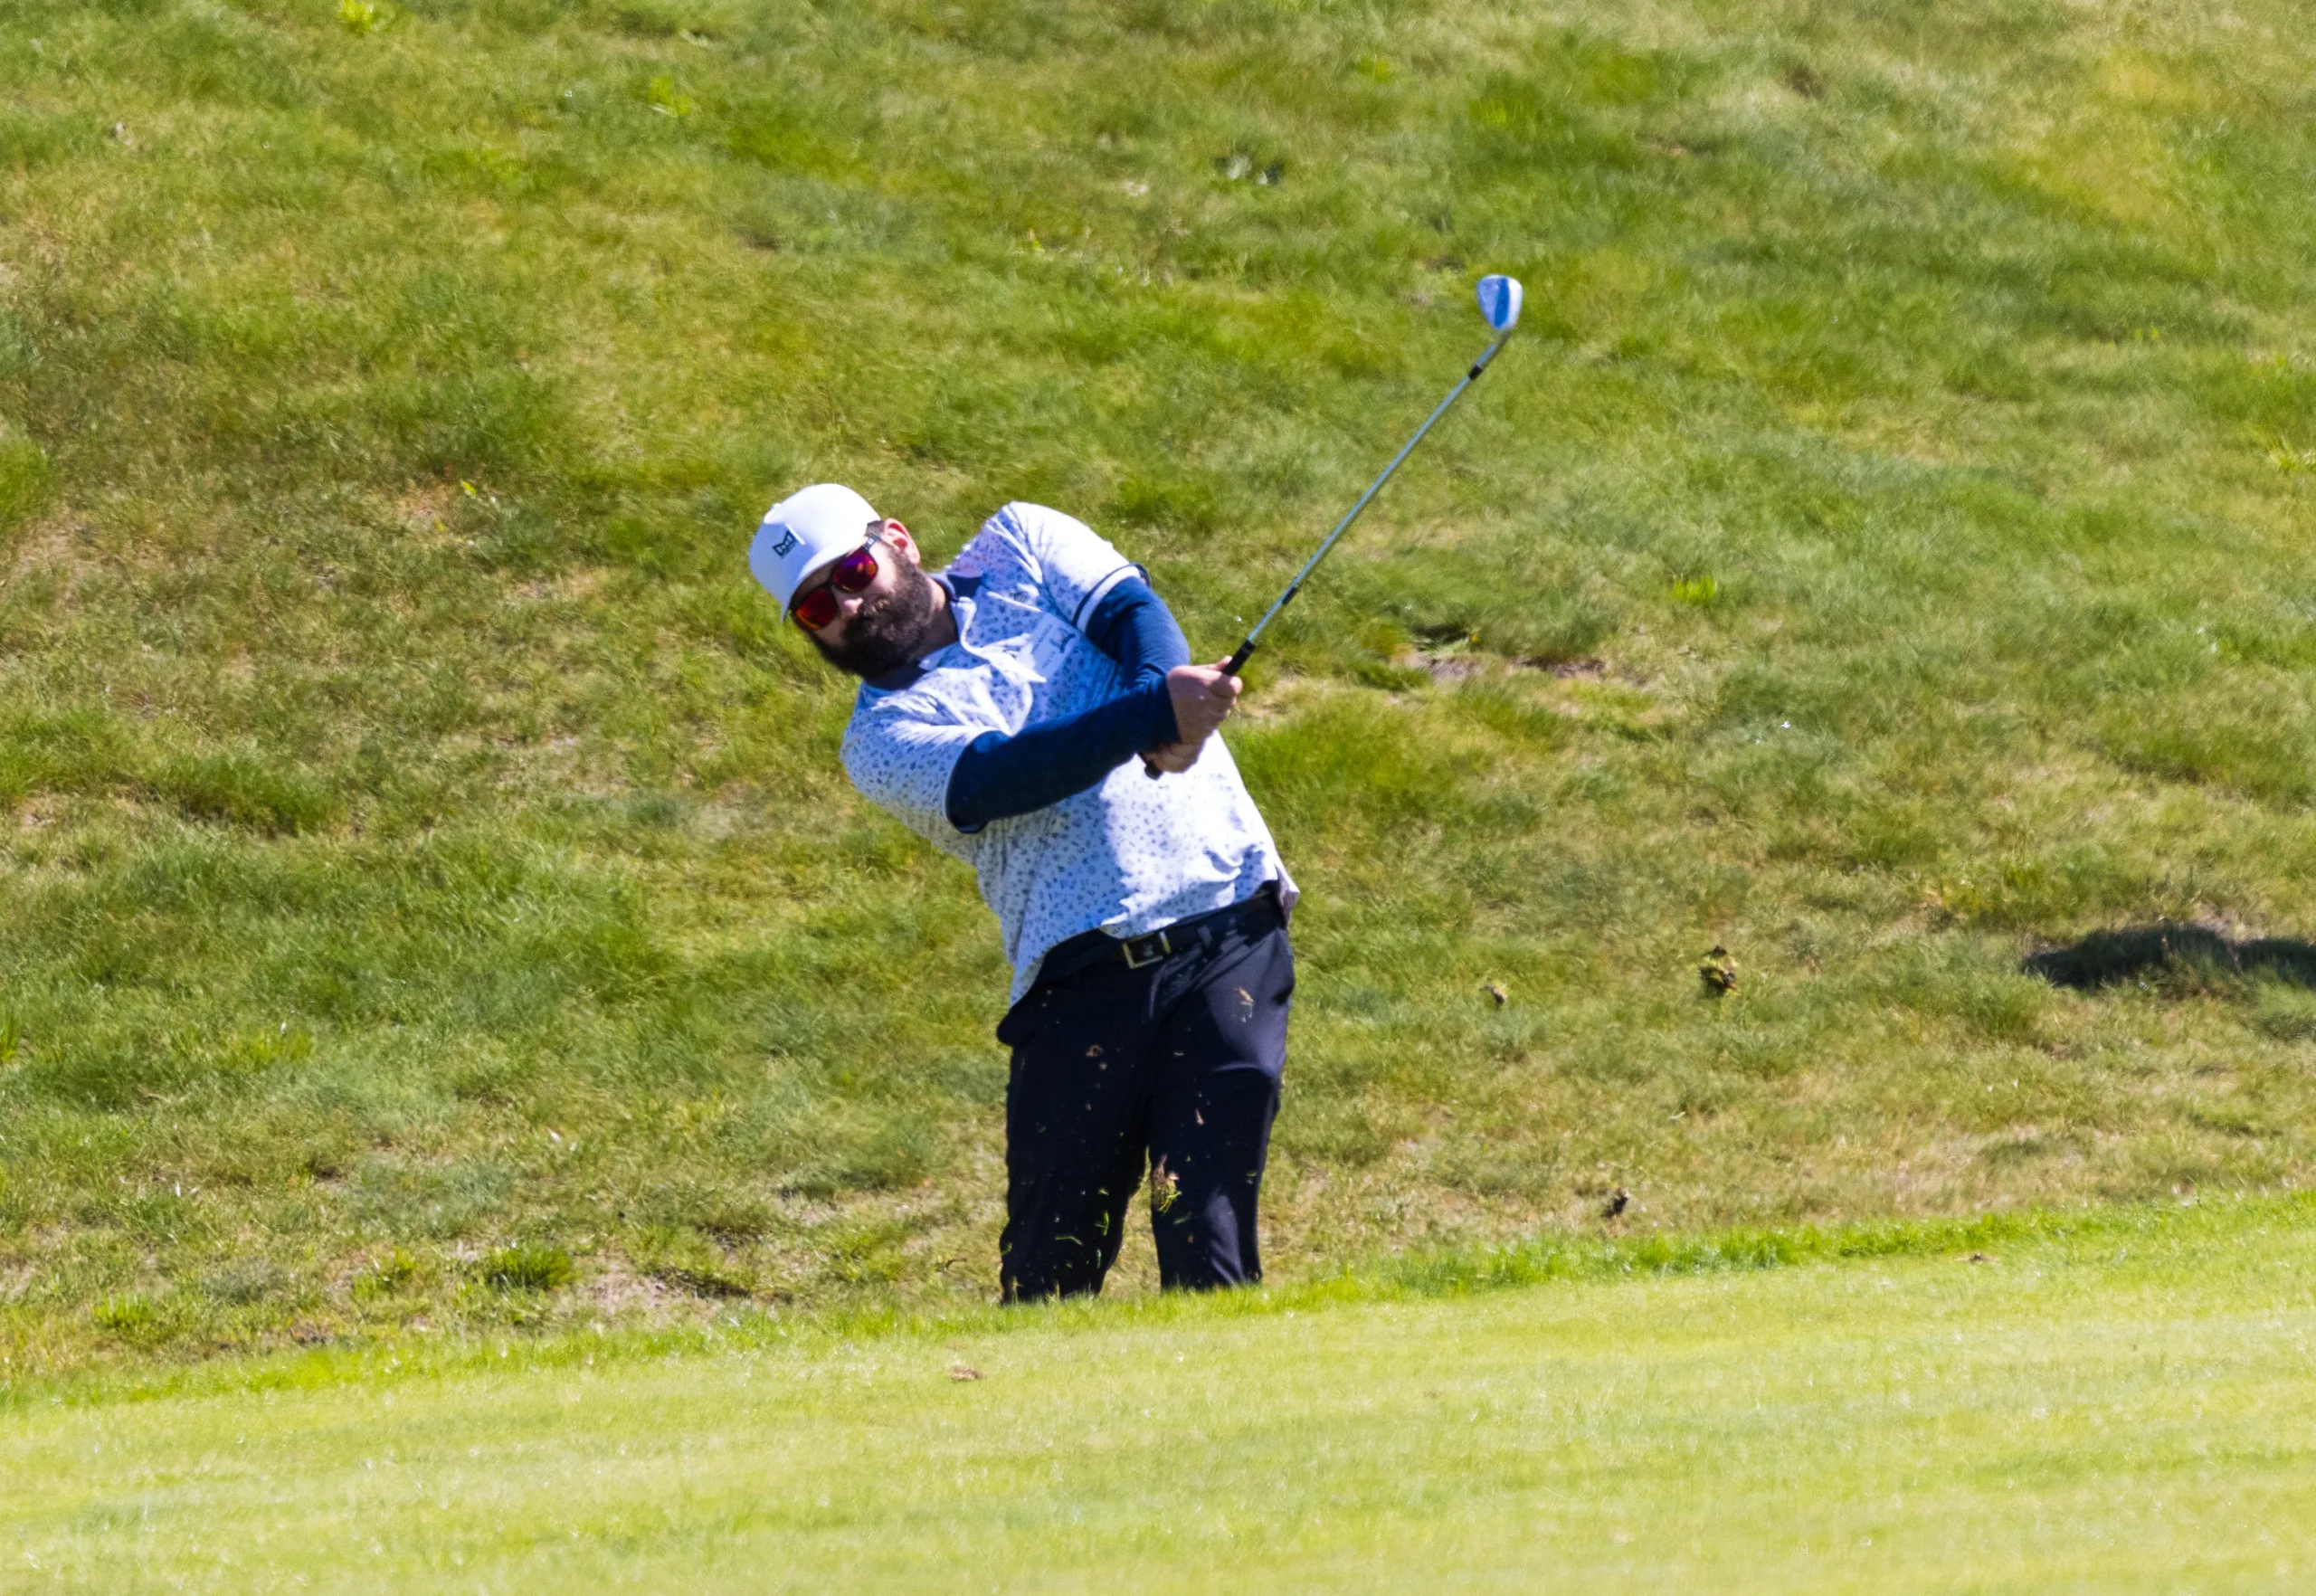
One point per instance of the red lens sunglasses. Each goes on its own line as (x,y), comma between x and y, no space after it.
(853,574)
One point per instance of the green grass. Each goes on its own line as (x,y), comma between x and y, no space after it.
(2113,1403)
(420,846)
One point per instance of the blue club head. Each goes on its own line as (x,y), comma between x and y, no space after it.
(1500,302)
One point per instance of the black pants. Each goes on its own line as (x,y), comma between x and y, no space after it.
(1177,1062)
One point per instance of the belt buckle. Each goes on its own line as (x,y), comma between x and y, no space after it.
(1147,949)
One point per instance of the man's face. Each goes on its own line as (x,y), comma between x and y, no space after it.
(882,627)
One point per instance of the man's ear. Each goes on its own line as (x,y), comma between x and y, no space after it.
(900,538)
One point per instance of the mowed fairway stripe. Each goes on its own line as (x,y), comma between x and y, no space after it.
(2095,1415)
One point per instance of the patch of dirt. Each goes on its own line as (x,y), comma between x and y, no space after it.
(422,500)
(1460,666)
(584,582)
(701,1282)
(51,543)
(614,1290)
(424,508)
(1449,667)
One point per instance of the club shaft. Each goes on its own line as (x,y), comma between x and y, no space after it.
(1237,660)
(1237,663)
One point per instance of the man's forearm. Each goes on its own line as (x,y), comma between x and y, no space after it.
(1132,626)
(999,777)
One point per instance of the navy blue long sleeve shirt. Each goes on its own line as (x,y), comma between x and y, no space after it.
(998,776)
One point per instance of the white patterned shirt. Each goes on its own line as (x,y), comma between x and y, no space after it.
(1125,855)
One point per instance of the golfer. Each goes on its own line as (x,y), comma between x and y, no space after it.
(1007,708)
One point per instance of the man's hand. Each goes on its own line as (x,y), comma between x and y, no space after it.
(1203,696)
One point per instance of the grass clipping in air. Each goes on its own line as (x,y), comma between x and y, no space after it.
(430,899)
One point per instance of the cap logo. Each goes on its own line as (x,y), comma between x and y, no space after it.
(787,541)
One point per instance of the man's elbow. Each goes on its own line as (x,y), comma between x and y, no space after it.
(968,804)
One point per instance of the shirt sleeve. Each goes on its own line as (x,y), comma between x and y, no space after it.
(1131,625)
(1076,567)
(998,776)
(902,761)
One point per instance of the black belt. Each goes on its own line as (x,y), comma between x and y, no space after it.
(1089,948)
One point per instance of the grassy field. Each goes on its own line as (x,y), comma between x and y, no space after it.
(428,900)
(2122,1404)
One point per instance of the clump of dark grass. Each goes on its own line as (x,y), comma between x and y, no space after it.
(528,1266)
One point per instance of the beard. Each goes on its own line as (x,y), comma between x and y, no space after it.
(890,632)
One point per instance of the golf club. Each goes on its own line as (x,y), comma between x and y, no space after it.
(1499,299)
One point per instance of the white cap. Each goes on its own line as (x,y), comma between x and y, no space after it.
(805,531)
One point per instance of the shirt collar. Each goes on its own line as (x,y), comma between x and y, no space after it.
(961,590)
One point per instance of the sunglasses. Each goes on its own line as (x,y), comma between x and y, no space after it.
(853,574)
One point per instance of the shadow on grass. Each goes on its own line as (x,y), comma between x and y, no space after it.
(2105,959)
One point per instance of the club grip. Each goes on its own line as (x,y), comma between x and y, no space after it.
(1230,666)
